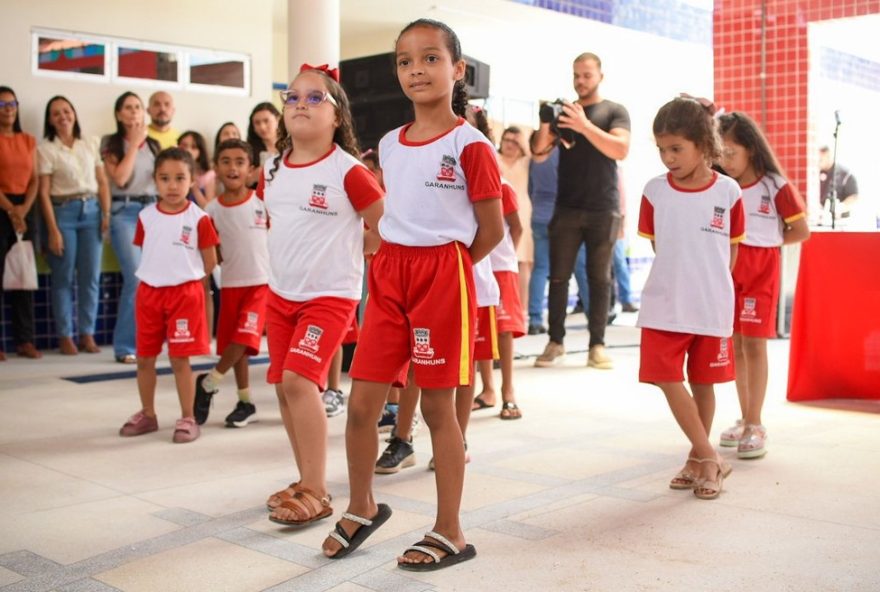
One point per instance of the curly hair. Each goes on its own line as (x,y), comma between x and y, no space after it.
(459,94)
(344,135)
(688,118)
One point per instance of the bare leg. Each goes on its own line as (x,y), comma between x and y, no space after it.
(755,350)
(525,276)
(505,347)
(488,380)
(186,386)
(438,409)
(687,414)
(146,382)
(361,447)
(231,355)
(287,418)
(335,371)
(241,371)
(309,435)
(742,373)
(394,395)
(406,409)
(464,400)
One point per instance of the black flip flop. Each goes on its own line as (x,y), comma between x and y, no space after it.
(454,555)
(510,408)
(480,404)
(367,527)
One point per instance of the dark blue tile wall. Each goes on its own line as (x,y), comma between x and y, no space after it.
(852,69)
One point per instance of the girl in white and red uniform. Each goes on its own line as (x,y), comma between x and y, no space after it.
(694,219)
(177,241)
(443,212)
(775,215)
(318,196)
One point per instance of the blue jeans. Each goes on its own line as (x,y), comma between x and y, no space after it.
(621,272)
(80,225)
(123,223)
(541,273)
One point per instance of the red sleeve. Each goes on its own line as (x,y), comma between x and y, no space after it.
(737,221)
(261,184)
(139,234)
(508,199)
(362,187)
(646,219)
(790,204)
(207,235)
(481,171)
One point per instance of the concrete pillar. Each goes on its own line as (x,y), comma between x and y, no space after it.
(312,34)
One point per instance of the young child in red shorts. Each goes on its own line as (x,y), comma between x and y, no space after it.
(178,240)
(775,215)
(694,219)
(442,212)
(240,218)
(318,196)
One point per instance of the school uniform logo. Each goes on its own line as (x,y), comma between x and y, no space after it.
(181,329)
(260,218)
(422,347)
(311,338)
(447,169)
(250,322)
(764,208)
(723,357)
(718,218)
(319,197)
(749,312)
(186,234)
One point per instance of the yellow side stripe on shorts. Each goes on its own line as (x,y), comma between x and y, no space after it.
(464,373)
(493,334)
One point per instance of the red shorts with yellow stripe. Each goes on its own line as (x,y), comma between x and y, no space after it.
(509,313)
(662,357)
(304,336)
(421,308)
(486,335)
(756,287)
(242,317)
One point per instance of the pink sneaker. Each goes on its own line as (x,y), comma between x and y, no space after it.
(186,430)
(139,424)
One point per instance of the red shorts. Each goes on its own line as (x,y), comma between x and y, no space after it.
(509,313)
(709,359)
(486,335)
(304,336)
(421,308)
(242,317)
(756,285)
(172,313)
(354,331)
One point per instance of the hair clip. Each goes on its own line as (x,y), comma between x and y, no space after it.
(705,103)
(325,68)
(366,153)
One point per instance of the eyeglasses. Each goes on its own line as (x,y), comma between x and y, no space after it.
(11,104)
(313,98)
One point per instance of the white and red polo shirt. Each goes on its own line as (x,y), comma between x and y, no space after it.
(171,244)
(770,202)
(690,288)
(243,228)
(431,185)
(316,236)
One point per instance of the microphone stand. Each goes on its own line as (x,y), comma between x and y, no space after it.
(832,185)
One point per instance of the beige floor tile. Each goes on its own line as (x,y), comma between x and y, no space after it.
(349,587)
(209,564)
(567,463)
(8,577)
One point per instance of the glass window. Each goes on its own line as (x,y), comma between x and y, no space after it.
(216,70)
(70,55)
(146,64)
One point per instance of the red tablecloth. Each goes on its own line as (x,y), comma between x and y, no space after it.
(835,325)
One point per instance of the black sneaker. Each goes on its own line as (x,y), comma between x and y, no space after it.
(243,414)
(537,329)
(202,405)
(388,419)
(399,454)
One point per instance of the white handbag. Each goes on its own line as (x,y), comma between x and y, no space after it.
(20,272)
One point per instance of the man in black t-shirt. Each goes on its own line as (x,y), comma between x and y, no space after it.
(587,204)
(844,183)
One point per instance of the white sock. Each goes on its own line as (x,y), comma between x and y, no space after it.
(244,395)
(212,380)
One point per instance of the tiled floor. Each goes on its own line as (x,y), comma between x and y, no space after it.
(573,497)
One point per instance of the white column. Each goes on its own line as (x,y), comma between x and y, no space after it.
(312,34)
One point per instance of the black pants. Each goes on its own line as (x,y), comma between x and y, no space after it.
(21,301)
(568,229)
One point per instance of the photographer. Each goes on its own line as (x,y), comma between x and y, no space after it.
(594,134)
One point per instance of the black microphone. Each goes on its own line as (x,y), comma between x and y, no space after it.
(837,117)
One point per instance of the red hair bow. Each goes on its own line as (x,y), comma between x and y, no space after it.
(325,68)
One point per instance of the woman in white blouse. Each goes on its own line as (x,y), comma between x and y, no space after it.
(75,200)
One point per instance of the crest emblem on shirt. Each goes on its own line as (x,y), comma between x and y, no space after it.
(748,310)
(447,169)
(260,218)
(718,218)
(422,346)
(181,328)
(186,234)
(764,208)
(311,338)
(319,197)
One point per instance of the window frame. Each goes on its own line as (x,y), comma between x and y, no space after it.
(37,33)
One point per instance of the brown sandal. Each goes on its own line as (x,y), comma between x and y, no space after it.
(710,489)
(302,506)
(279,497)
(685,479)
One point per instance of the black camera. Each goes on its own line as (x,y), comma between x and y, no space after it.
(549,113)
